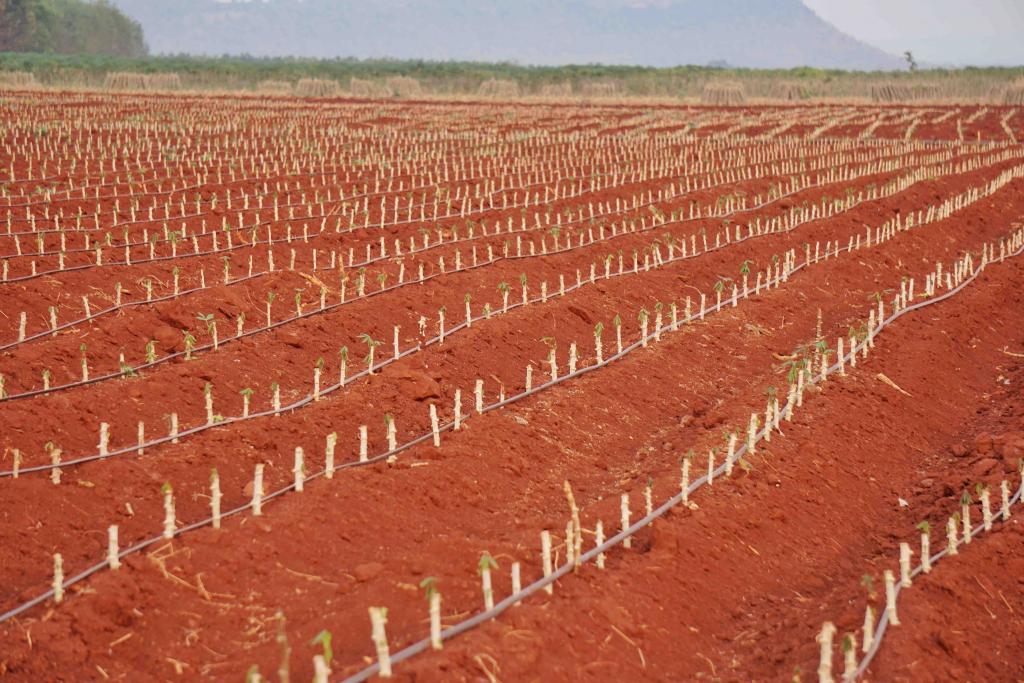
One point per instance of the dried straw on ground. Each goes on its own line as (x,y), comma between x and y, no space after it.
(723,94)
(316,87)
(129,80)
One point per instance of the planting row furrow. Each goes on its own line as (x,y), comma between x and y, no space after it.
(792,220)
(213,419)
(655,337)
(356,646)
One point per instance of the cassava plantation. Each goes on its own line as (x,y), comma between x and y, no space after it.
(335,385)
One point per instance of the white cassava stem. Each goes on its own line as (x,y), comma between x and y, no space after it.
(434,426)
(329,446)
(299,469)
(208,396)
(624,514)
(869,629)
(545,556)
(435,621)
(58,578)
(169,517)
(485,585)
(951,536)
(599,541)
(849,656)
(55,454)
(113,561)
(362,444)
(575,537)
(215,498)
(890,597)
(458,409)
(828,630)
(752,434)
(800,389)
(905,567)
(104,439)
(392,432)
(926,555)
(730,458)
(684,480)
(257,491)
(321,672)
(378,618)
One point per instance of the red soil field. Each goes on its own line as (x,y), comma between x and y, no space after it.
(269,365)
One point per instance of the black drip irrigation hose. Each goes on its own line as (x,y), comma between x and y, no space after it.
(309,398)
(537,585)
(540,584)
(205,347)
(883,622)
(194,254)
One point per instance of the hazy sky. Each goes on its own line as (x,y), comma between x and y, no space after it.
(936,31)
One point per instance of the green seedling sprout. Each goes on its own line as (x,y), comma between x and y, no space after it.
(869,584)
(324,640)
(429,586)
(190,343)
(371,344)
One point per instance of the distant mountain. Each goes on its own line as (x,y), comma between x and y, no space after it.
(750,33)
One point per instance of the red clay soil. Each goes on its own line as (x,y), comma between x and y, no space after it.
(110,483)
(738,588)
(963,621)
(734,590)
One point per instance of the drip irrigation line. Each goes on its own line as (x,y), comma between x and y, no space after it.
(883,622)
(482,617)
(484,210)
(540,584)
(205,347)
(310,398)
(714,308)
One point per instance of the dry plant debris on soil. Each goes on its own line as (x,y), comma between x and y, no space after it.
(287,387)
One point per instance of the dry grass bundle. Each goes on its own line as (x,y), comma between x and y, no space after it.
(788,91)
(903,92)
(361,87)
(556,90)
(17,79)
(495,87)
(128,80)
(316,87)
(274,87)
(404,86)
(1014,93)
(599,89)
(726,94)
